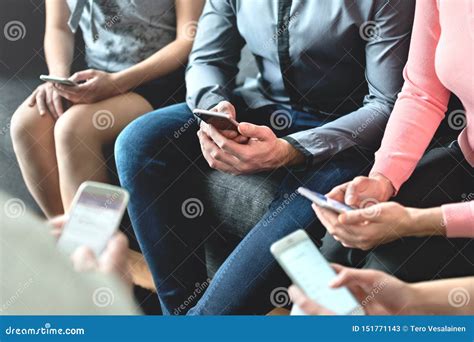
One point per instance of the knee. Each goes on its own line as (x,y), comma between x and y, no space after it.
(129,151)
(72,128)
(25,125)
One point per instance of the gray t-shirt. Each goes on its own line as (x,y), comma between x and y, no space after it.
(121,33)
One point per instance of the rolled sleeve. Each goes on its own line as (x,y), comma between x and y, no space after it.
(459,219)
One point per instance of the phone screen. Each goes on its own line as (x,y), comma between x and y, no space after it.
(323,201)
(312,273)
(93,219)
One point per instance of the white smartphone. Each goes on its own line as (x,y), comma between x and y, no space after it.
(324,202)
(59,80)
(95,215)
(221,121)
(303,262)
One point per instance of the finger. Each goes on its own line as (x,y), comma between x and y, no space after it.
(32,98)
(305,303)
(58,104)
(228,145)
(50,103)
(354,188)
(240,139)
(253,131)
(82,75)
(338,192)
(327,217)
(71,90)
(358,216)
(206,146)
(349,276)
(58,221)
(84,259)
(225,107)
(40,101)
(68,96)
(114,258)
(338,268)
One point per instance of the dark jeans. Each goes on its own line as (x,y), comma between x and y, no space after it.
(442,176)
(159,160)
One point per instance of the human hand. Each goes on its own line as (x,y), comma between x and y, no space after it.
(263,151)
(377,292)
(112,261)
(97,85)
(48,99)
(368,227)
(361,190)
(228,108)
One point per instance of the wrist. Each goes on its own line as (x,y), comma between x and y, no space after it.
(122,80)
(426,222)
(290,155)
(60,71)
(388,188)
(415,300)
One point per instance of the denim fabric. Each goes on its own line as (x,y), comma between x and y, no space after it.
(160,163)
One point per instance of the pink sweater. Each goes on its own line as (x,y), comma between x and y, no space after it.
(441,61)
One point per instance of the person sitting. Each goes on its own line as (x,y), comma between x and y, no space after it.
(136,52)
(426,231)
(325,69)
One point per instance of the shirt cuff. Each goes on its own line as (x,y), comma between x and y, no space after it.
(308,157)
(459,219)
(385,167)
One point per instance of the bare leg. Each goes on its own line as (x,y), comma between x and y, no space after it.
(81,135)
(33,142)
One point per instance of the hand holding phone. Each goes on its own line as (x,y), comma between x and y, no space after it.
(58,80)
(221,121)
(323,201)
(95,216)
(304,264)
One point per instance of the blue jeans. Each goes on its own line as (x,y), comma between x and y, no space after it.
(159,159)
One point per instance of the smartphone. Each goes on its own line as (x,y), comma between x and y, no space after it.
(221,121)
(304,264)
(59,80)
(95,215)
(323,201)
